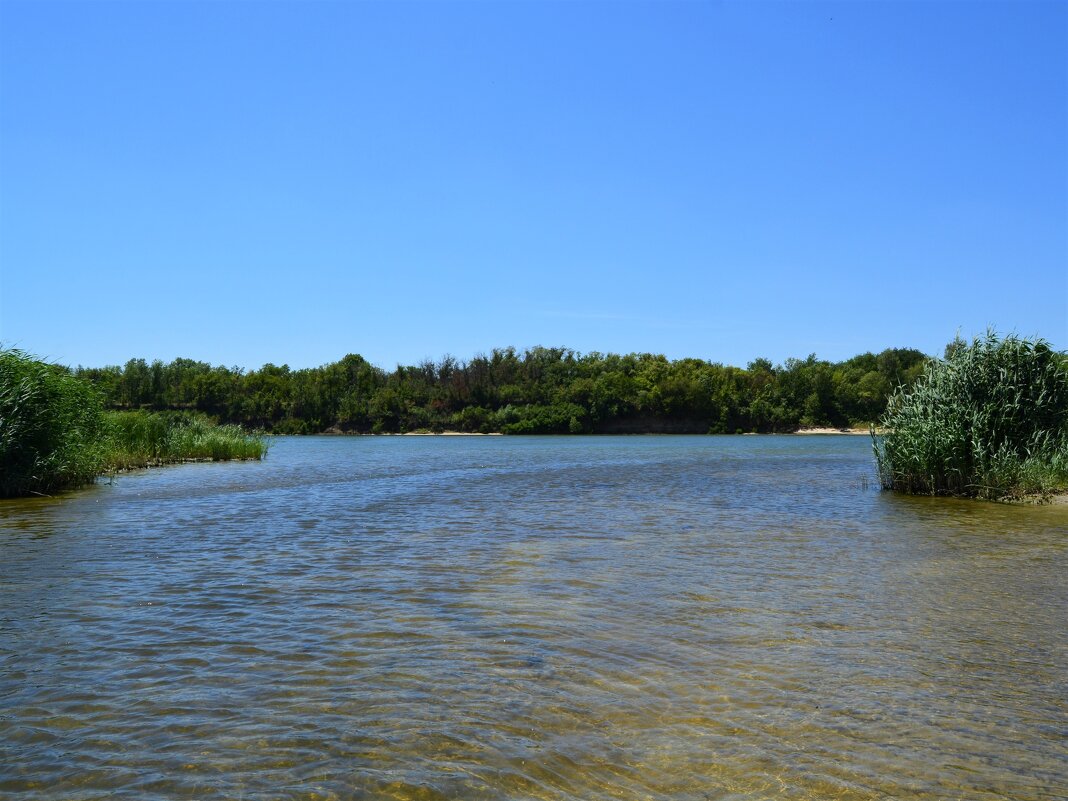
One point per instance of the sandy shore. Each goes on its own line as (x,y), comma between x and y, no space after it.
(335,432)
(443,434)
(855,431)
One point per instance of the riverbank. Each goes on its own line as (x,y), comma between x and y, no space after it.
(447,434)
(1059,498)
(826,430)
(336,432)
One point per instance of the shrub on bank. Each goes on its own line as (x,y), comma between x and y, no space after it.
(989,421)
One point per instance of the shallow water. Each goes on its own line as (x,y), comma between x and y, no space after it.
(531,618)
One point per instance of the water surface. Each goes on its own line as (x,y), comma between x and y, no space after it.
(531,618)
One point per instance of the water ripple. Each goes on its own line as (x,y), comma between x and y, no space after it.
(579,618)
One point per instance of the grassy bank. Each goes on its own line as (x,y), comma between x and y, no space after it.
(55,435)
(145,439)
(988,421)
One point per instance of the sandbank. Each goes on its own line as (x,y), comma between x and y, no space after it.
(819,430)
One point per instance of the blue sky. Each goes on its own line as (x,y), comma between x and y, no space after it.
(293,181)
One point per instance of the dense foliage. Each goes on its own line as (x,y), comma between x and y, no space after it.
(55,434)
(541,390)
(990,421)
(51,427)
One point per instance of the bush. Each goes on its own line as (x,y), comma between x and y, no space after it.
(539,419)
(474,419)
(51,427)
(988,421)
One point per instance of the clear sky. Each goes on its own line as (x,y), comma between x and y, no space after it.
(293,181)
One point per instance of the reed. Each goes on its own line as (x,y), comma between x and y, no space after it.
(988,421)
(144,439)
(54,434)
(52,429)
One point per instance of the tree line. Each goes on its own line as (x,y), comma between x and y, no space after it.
(534,391)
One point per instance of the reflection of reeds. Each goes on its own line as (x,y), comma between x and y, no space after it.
(990,421)
(54,434)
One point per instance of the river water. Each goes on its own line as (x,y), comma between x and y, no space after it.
(531,618)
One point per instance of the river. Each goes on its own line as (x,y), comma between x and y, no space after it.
(531,618)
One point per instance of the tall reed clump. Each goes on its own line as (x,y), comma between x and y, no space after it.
(988,421)
(55,435)
(52,429)
(141,439)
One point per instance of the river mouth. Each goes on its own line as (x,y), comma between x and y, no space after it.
(542,618)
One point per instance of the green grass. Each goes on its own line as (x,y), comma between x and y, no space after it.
(144,439)
(54,434)
(989,421)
